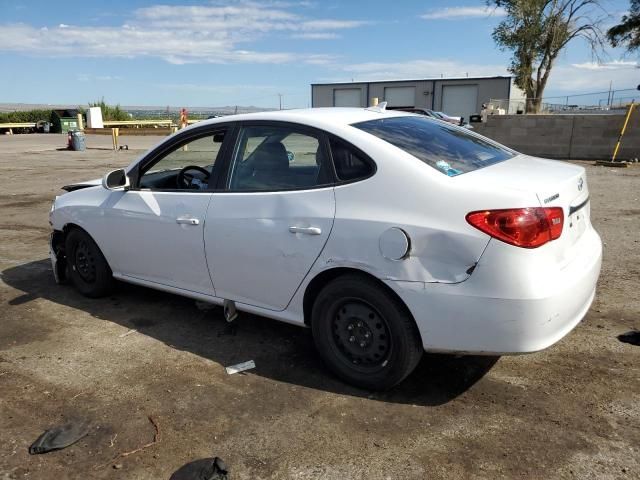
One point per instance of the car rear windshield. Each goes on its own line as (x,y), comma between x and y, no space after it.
(449,149)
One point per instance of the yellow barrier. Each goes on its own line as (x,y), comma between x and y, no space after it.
(114,123)
(17,125)
(624,129)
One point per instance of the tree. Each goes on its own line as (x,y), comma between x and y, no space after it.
(627,34)
(536,31)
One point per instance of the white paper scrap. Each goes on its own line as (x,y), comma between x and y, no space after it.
(241,367)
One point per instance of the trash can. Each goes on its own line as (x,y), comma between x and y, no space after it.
(46,127)
(78,141)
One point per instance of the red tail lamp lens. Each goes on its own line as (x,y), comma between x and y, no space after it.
(522,227)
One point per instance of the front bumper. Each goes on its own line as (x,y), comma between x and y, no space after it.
(520,313)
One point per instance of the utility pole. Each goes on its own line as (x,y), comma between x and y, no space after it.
(280,100)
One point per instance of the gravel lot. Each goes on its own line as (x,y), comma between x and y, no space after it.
(572,411)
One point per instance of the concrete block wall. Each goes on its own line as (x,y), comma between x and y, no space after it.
(578,137)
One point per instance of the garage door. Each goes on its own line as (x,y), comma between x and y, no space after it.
(400,96)
(347,97)
(460,100)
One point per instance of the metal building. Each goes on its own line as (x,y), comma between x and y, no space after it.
(454,96)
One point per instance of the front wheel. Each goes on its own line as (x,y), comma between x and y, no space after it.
(86,266)
(364,334)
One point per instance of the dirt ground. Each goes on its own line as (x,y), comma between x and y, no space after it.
(572,411)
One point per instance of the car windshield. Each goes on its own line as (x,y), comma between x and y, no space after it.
(449,149)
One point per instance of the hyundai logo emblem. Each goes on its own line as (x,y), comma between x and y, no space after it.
(580,184)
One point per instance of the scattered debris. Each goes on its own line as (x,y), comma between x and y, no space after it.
(241,367)
(156,439)
(204,469)
(59,437)
(133,330)
(632,338)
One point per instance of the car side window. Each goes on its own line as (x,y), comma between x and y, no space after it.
(350,165)
(188,166)
(271,158)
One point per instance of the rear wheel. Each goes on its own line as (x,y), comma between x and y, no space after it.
(364,334)
(86,266)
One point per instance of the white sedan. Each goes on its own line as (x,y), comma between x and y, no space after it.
(387,233)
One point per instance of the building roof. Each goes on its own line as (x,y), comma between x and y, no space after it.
(427,79)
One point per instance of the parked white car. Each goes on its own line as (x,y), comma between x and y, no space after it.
(387,233)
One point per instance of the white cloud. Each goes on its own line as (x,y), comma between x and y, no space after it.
(214,33)
(615,65)
(461,13)
(316,36)
(573,79)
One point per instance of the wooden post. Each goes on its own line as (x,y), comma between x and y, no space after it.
(624,128)
(80,122)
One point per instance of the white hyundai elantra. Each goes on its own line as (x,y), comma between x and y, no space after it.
(385,232)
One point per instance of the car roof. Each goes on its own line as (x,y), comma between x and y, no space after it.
(319,117)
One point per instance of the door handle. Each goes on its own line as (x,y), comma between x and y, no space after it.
(188,221)
(306,230)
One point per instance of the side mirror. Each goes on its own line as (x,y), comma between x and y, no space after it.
(115,180)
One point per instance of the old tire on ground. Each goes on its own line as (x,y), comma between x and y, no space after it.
(364,334)
(86,266)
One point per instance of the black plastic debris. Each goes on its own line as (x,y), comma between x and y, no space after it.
(632,338)
(59,437)
(203,469)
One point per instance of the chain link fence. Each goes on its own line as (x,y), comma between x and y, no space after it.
(610,101)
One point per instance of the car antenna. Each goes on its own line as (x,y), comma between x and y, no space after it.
(381,107)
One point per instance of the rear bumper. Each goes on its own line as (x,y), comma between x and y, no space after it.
(506,308)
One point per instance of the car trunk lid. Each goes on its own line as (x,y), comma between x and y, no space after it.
(554,183)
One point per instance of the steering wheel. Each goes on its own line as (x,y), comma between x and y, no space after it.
(183,180)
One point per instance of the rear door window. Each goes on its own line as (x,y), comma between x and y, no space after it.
(449,149)
(273,158)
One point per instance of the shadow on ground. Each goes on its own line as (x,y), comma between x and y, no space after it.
(282,352)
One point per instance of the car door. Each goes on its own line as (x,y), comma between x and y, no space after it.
(160,220)
(267,227)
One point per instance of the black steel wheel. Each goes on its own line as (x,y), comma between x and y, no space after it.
(361,335)
(86,266)
(364,334)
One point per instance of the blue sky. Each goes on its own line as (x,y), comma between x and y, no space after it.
(228,52)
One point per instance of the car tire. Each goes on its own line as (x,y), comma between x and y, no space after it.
(364,334)
(86,266)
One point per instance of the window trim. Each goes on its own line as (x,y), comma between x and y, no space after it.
(225,174)
(182,138)
(366,158)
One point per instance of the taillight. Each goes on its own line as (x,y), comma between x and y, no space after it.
(522,227)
